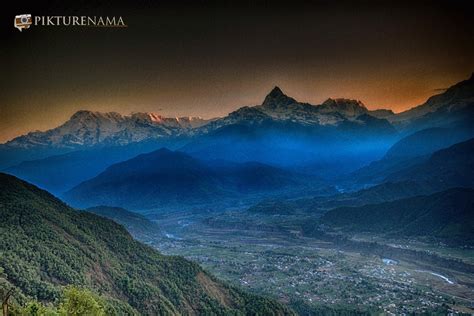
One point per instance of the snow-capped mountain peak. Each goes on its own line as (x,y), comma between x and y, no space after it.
(277,99)
(89,128)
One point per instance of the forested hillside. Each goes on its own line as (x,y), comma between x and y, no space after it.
(447,215)
(46,246)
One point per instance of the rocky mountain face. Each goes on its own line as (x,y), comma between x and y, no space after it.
(279,107)
(88,128)
(458,98)
(253,132)
(287,133)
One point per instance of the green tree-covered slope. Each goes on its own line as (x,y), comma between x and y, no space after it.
(447,215)
(46,245)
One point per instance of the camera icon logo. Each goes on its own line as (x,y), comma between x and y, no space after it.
(23,21)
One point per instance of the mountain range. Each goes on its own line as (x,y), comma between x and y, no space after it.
(319,139)
(164,179)
(453,107)
(89,128)
(337,167)
(339,141)
(284,132)
(444,169)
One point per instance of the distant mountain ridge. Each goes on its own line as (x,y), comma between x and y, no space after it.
(280,107)
(427,141)
(59,173)
(412,150)
(281,131)
(454,106)
(88,128)
(445,169)
(164,179)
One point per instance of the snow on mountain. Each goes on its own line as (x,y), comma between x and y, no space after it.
(89,128)
(331,112)
(457,97)
(382,113)
(347,107)
(280,107)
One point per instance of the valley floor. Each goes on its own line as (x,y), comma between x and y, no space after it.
(313,275)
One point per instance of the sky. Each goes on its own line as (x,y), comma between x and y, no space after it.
(203,58)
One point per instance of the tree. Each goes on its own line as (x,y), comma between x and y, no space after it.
(35,308)
(79,302)
(5,299)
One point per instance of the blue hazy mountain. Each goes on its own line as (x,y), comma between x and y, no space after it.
(164,179)
(450,167)
(60,173)
(427,141)
(281,131)
(444,169)
(412,150)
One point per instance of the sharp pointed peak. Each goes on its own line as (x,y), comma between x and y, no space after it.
(276,91)
(276,97)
